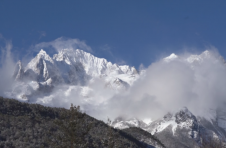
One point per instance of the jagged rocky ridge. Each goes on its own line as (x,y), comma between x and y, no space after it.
(180,129)
(68,67)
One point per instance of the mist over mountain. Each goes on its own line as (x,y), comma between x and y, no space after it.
(75,76)
(123,93)
(69,76)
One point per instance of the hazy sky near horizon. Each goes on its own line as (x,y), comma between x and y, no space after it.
(126,32)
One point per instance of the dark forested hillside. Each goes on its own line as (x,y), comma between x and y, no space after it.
(32,125)
(144,136)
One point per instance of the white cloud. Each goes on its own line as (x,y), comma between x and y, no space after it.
(7,66)
(61,43)
(169,86)
(166,86)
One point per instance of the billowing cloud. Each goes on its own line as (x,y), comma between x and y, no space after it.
(7,66)
(165,86)
(169,86)
(62,43)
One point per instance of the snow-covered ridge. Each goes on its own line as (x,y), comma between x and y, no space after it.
(77,67)
(193,58)
(181,119)
(181,123)
(93,66)
(71,67)
(119,123)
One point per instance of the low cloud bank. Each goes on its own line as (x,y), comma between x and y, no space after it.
(166,86)
(169,86)
(7,66)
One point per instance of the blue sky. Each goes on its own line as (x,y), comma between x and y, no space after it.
(131,31)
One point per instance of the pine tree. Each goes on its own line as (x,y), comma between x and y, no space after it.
(110,143)
(74,128)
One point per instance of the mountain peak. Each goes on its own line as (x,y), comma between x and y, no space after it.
(42,54)
(199,58)
(171,57)
(185,110)
(205,54)
(69,51)
(73,67)
(184,115)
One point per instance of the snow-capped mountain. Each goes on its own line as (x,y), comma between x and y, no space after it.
(194,59)
(75,72)
(117,84)
(181,119)
(68,67)
(179,129)
(120,123)
(92,65)
(183,128)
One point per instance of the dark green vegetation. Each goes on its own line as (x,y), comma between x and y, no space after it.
(144,136)
(32,125)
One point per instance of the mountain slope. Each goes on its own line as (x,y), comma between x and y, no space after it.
(144,136)
(179,129)
(33,125)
